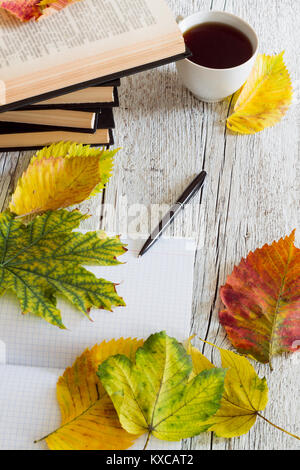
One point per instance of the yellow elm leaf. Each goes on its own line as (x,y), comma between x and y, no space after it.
(265,98)
(245,394)
(59,176)
(89,419)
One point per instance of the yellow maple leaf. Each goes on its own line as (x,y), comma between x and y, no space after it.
(61,175)
(89,419)
(265,98)
(245,394)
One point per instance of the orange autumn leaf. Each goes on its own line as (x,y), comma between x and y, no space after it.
(27,10)
(89,419)
(262,300)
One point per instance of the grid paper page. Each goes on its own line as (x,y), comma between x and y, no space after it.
(29,410)
(158,292)
(157,289)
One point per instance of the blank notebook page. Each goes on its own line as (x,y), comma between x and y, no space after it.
(158,292)
(157,289)
(29,409)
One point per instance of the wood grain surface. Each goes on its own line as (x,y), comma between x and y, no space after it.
(251,196)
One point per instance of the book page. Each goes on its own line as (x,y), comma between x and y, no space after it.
(157,289)
(81,30)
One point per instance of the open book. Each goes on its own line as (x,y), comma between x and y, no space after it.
(158,292)
(87,40)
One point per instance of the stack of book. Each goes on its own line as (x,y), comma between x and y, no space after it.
(84,116)
(59,77)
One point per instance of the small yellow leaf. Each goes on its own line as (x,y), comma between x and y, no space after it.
(265,98)
(59,176)
(245,394)
(89,419)
(200,362)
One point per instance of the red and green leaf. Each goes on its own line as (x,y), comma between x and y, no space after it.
(262,300)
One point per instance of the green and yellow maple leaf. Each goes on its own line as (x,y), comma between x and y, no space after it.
(265,98)
(154,395)
(60,176)
(89,419)
(45,258)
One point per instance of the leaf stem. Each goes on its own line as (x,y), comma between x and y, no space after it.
(278,427)
(43,438)
(147,441)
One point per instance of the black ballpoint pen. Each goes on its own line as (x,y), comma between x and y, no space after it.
(188,194)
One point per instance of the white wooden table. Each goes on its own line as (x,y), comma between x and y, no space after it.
(251,196)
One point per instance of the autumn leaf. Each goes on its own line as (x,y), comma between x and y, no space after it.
(154,395)
(262,300)
(55,4)
(89,419)
(245,394)
(26,10)
(265,98)
(45,258)
(60,176)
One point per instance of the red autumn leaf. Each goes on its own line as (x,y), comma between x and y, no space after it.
(27,10)
(262,300)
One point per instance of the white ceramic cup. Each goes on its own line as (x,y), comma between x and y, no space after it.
(213,85)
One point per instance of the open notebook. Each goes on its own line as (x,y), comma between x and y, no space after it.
(158,292)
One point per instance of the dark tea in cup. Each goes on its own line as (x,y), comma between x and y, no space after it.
(218,45)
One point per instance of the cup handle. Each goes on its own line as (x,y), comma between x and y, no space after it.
(179,19)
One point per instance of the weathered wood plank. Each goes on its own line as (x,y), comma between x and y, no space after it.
(251,196)
(12,166)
